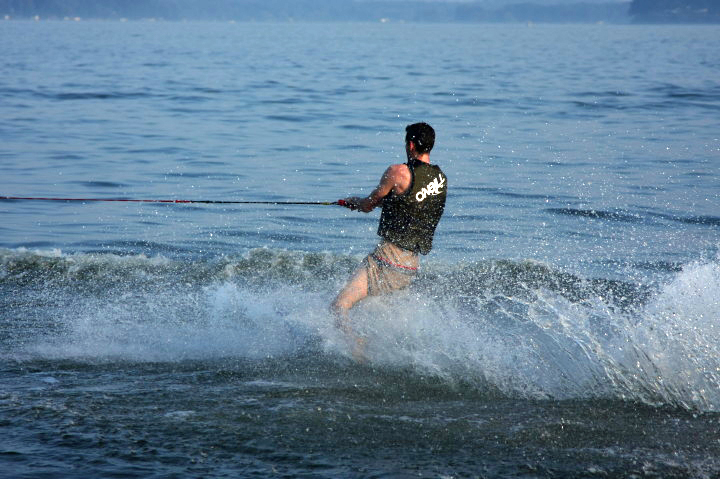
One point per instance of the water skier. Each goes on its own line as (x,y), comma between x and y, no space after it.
(412,196)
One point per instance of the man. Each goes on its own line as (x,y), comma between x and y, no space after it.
(412,196)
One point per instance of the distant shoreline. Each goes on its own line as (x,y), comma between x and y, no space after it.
(352,11)
(398,11)
(309,21)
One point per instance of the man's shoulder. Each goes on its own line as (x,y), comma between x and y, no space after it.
(400,166)
(398,170)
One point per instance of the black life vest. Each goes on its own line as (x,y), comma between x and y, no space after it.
(409,220)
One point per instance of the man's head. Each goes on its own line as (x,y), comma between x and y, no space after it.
(422,136)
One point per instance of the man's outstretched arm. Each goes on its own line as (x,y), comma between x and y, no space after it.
(396,178)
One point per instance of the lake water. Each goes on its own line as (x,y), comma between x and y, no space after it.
(564,325)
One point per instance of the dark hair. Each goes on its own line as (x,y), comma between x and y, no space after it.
(422,135)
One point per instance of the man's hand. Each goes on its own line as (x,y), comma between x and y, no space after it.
(353,202)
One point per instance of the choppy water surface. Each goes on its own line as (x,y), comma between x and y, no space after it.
(565,325)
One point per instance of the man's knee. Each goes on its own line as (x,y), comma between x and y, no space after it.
(340,306)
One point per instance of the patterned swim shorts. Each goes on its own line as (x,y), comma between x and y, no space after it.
(390,268)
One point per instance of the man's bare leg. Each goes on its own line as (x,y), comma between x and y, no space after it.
(355,290)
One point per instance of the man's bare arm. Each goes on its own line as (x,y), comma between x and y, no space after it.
(396,178)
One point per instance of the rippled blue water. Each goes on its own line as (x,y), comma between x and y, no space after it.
(563,326)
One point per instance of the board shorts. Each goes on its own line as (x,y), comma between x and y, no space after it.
(390,268)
